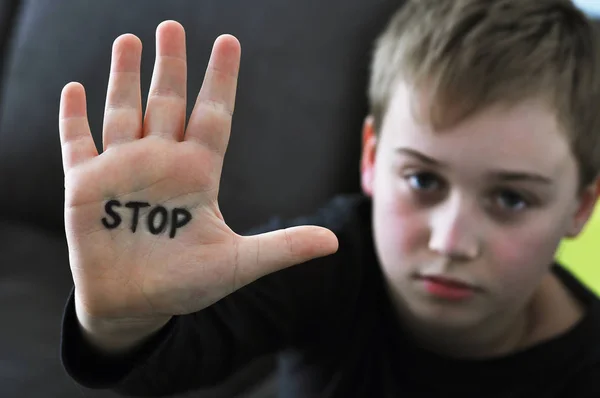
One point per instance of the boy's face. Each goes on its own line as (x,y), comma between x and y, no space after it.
(484,203)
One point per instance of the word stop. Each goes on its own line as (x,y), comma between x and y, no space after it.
(157,220)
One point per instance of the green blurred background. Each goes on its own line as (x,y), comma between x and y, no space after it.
(582,255)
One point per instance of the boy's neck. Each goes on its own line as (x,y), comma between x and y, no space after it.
(550,312)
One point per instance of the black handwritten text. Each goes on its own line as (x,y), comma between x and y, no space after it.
(158,218)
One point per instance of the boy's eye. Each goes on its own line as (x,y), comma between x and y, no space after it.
(424,182)
(511,200)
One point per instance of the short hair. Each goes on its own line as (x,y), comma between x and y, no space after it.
(471,54)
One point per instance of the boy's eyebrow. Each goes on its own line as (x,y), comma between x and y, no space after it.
(416,154)
(516,176)
(503,175)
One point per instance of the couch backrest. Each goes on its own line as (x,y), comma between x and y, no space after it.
(300,105)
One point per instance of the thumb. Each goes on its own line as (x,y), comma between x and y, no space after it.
(269,252)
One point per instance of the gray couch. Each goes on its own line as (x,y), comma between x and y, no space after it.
(295,141)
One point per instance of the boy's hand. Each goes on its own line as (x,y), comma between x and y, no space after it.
(146,237)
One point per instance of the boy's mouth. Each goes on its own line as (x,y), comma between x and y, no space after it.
(447,288)
(448,281)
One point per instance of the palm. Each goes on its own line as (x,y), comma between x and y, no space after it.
(142,262)
(145,234)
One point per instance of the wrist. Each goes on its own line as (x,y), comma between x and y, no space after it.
(116,336)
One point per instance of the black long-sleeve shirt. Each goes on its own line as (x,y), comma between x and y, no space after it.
(336,327)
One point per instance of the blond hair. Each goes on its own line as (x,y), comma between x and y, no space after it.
(470,54)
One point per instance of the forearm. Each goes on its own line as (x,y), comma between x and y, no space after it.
(162,363)
(189,352)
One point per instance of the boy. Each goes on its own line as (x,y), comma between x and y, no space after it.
(480,153)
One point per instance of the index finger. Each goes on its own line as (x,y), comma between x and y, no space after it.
(210,121)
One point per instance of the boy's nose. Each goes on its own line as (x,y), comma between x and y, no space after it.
(453,229)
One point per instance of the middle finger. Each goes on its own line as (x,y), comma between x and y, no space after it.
(165,110)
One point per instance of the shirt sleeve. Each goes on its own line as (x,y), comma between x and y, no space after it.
(286,309)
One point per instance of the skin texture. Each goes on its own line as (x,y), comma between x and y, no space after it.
(458,219)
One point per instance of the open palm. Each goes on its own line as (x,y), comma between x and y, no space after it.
(145,234)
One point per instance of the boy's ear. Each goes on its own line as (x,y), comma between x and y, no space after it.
(585,209)
(367,162)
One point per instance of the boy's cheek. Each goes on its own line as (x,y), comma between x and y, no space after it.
(400,226)
(524,255)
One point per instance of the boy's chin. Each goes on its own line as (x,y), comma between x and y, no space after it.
(435,313)
(446,322)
